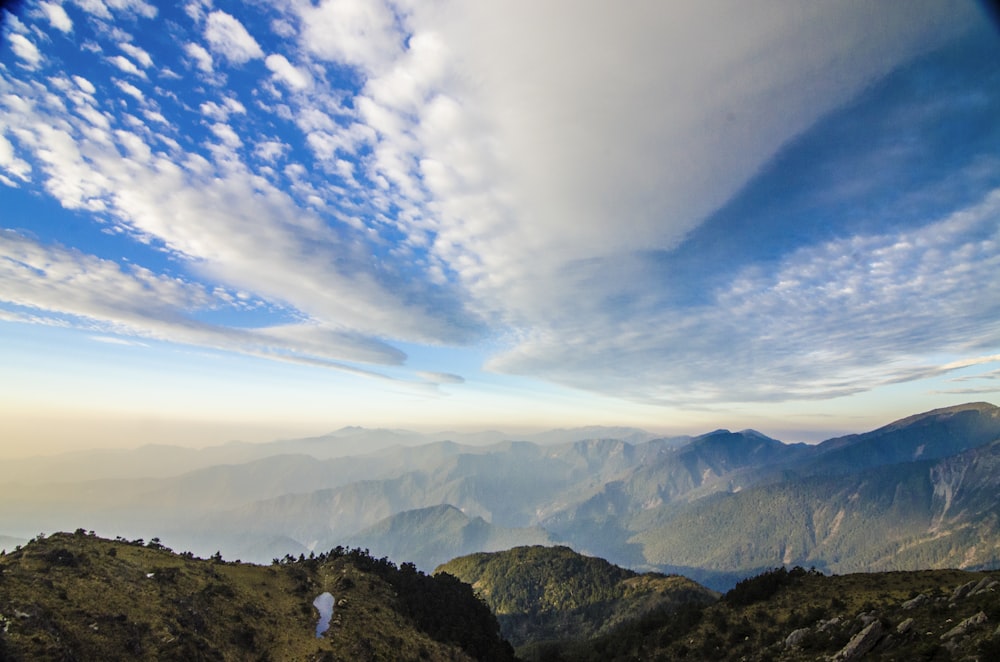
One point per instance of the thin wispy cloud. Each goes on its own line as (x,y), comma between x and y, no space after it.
(681,203)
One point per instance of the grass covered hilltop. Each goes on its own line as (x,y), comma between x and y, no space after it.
(80,597)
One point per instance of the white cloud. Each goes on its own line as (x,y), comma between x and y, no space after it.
(138,54)
(220,112)
(25,50)
(85,85)
(11,163)
(154,116)
(283,28)
(127,66)
(137,7)
(295,78)
(131,90)
(201,57)
(113,340)
(94,7)
(270,150)
(355,32)
(441,377)
(57,16)
(197,9)
(225,133)
(227,37)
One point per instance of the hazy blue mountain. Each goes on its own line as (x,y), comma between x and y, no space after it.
(430,536)
(930,514)
(161,460)
(164,460)
(568,435)
(601,524)
(508,484)
(928,436)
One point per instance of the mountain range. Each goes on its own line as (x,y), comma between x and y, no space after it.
(917,493)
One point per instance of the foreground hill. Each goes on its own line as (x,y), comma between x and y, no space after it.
(79,597)
(552,594)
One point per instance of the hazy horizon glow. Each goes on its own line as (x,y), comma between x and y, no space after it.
(252,220)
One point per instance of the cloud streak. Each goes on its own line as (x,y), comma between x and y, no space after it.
(65,288)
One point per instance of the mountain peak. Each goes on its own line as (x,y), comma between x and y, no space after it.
(982,408)
(931,435)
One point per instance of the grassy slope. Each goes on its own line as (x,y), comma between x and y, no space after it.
(73,596)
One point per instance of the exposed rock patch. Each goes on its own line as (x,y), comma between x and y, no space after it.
(962,628)
(860,643)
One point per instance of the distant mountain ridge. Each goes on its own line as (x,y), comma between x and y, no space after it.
(923,483)
(431,536)
(164,461)
(928,436)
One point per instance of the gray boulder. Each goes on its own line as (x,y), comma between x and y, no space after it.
(962,628)
(962,591)
(860,643)
(905,626)
(796,638)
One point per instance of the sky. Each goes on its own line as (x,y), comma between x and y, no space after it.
(249,220)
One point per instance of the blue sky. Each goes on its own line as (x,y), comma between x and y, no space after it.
(249,219)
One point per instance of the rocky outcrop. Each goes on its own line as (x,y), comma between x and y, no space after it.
(962,591)
(795,639)
(860,643)
(963,628)
(915,602)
